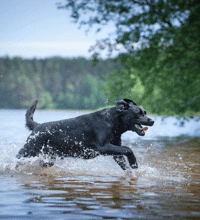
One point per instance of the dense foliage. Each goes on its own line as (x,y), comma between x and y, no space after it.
(163,72)
(56,82)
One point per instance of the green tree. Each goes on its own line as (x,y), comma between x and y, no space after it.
(161,39)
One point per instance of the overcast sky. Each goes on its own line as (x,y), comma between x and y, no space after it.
(30,28)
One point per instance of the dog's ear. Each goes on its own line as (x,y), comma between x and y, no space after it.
(122,105)
(128,101)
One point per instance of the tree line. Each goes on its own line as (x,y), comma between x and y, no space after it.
(58,83)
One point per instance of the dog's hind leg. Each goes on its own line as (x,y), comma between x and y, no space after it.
(50,153)
(30,150)
(32,147)
(27,151)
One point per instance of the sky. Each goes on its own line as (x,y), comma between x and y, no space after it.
(37,29)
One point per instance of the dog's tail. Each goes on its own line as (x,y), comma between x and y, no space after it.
(30,124)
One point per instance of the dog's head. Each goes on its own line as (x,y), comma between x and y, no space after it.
(133,116)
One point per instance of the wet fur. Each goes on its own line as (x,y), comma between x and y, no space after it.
(86,136)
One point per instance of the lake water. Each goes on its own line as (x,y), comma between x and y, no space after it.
(165,186)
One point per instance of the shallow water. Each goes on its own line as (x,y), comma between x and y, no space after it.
(165,186)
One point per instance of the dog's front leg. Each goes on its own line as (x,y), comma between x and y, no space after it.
(113,150)
(120,161)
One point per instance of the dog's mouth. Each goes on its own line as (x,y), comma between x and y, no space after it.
(140,130)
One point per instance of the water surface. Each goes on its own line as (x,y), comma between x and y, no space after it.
(165,186)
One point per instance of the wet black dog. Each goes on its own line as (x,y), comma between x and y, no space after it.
(87,136)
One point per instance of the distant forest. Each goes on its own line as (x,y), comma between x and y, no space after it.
(58,83)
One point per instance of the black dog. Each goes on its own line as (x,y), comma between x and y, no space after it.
(89,135)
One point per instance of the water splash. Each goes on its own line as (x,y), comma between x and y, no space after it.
(99,166)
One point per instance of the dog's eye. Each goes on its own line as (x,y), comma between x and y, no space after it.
(145,112)
(141,112)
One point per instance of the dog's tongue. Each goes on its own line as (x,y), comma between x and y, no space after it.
(145,129)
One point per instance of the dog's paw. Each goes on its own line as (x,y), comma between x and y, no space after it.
(47,164)
(129,172)
(134,166)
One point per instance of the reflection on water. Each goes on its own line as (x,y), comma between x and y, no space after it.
(165,186)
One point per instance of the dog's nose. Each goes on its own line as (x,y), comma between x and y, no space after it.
(151,121)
